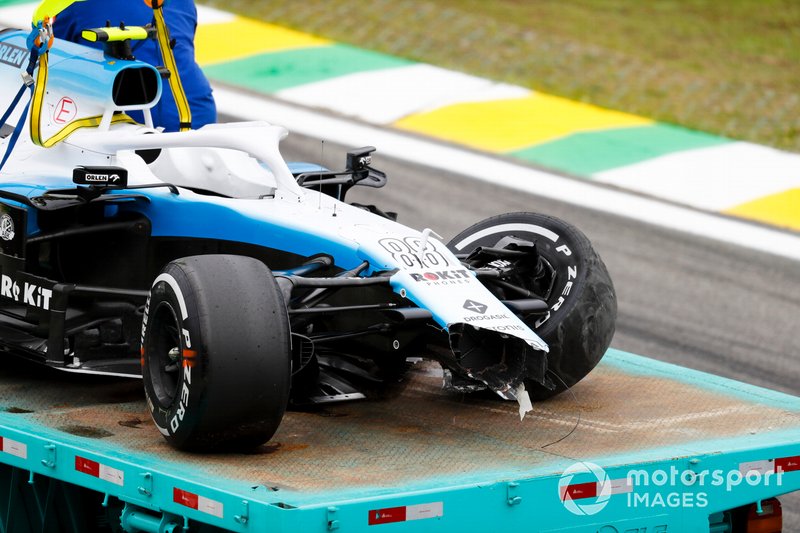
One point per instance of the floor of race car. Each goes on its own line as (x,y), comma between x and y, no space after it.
(418,434)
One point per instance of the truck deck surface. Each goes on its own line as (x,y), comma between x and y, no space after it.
(419,436)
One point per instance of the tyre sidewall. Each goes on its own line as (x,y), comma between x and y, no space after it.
(582,303)
(175,420)
(556,241)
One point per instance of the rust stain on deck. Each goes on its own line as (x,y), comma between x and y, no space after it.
(422,432)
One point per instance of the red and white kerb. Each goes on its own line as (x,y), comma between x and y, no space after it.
(12,447)
(391,515)
(196,502)
(99,470)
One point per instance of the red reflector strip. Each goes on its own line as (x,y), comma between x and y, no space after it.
(620,486)
(12,447)
(787,464)
(199,503)
(87,466)
(184,498)
(594,489)
(757,467)
(387,516)
(99,470)
(579,491)
(426,510)
(779,465)
(391,515)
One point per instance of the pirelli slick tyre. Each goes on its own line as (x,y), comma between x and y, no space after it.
(570,277)
(216,357)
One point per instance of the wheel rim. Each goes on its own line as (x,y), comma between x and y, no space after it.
(539,278)
(164,354)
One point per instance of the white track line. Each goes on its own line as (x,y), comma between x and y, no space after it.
(522,178)
(394,93)
(713,178)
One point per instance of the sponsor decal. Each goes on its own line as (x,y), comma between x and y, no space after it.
(6,227)
(12,230)
(65,111)
(408,253)
(572,273)
(144,324)
(479,318)
(475,307)
(176,420)
(25,292)
(172,423)
(12,55)
(480,315)
(102,178)
(507,327)
(442,277)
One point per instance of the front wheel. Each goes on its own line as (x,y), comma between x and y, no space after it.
(216,358)
(564,270)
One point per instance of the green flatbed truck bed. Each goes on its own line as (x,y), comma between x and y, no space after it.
(417,459)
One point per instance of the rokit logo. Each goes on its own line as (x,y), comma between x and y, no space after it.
(442,277)
(29,294)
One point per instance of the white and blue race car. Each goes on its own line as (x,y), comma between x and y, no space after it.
(235,286)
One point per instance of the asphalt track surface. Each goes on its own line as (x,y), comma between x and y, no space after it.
(699,303)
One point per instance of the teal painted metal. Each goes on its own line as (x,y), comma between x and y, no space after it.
(134,519)
(644,366)
(720,523)
(161,491)
(468,508)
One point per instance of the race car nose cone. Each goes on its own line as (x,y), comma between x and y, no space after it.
(500,361)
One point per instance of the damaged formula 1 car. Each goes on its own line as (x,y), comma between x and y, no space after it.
(234,283)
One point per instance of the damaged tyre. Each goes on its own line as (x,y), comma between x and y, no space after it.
(554,261)
(216,353)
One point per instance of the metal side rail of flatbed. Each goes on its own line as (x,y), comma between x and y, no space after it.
(640,446)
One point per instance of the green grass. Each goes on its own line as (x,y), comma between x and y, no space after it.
(730,67)
(6,3)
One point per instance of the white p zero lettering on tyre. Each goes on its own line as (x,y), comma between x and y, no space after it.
(215,353)
(567,273)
